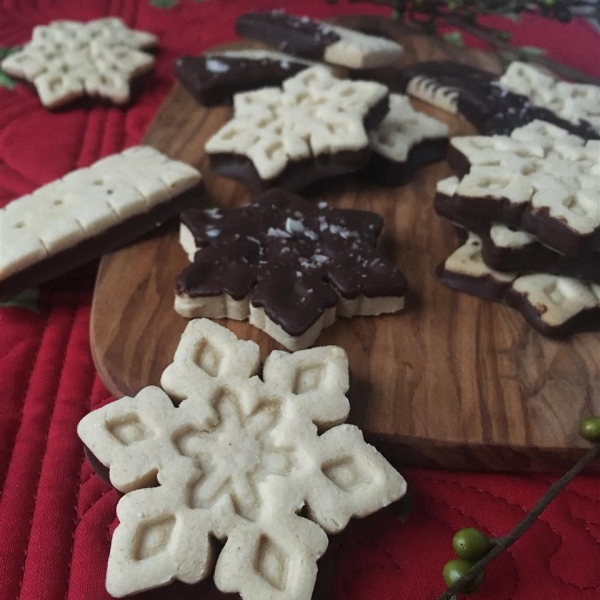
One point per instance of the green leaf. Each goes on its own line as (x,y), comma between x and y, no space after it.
(534,50)
(164,3)
(5,80)
(27,299)
(513,16)
(455,38)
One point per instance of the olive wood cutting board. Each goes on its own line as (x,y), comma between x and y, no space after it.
(451,381)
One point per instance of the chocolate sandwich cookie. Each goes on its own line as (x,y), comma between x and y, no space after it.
(539,179)
(288,264)
(509,250)
(315,126)
(315,40)
(554,305)
(479,96)
(403,142)
(90,212)
(215,78)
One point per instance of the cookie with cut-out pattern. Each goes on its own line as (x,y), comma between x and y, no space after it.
(89,212)
(266,464)
(539,179)
(66,60)
(555,305)
(314,126)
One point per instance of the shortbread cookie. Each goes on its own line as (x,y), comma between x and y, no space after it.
(554,305)
(539,179)
(508,249)
(315,126)
(289,265)
(403,142)
(69,59)
(574,102)
(89,212)
(477,95)
(240,459)
(319,41)
(216,77)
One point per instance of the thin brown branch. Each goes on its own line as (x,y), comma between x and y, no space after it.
(501,544)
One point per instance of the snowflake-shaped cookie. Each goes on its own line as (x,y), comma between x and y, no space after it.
(69,59)
(540,178)
(574,102)
(289,265)
(266,465)
(312,127)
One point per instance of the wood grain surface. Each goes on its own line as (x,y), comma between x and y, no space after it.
(452,381)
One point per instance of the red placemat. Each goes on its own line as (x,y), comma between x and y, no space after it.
(56,516)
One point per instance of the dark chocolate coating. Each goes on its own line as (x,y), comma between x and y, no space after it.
(536,258)
(386,171)
(218,87)
(300,173)
(297,35)
(489,107)
(294,273)
(478,214)
(91,248)
(489,288)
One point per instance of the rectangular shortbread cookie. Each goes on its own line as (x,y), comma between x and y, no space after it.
(128,193)
(319,41)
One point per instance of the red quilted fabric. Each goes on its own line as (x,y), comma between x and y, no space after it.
(56,516)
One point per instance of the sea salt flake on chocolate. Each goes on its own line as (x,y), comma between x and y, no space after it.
(216,66)
(269,287)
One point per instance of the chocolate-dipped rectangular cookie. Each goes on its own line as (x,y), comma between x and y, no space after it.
(491,104)
(216,77)
(539,179)
(316,40)
(89,212)
(289,265)
(403,142)
(554,305)
(314,126)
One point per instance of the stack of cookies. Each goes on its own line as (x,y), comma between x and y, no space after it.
(297,120)
(529,206)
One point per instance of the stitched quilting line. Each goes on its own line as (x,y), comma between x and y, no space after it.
(481,526)
(58,379)
(22,409)
(359,570)
(77,489)
(541,519)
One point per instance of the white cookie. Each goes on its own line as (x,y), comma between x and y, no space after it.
(87,202)
(314,114)
(68,59)
(403,128)
(238,459)
(574,102)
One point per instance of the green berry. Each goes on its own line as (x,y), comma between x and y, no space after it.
(590,429)
(455,569)
(471,544)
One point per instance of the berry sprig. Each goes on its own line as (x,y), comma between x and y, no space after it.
(465,15)
(465,574)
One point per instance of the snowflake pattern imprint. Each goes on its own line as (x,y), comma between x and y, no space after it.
(314,124)
(266,466)
(69,59)
(540,179)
